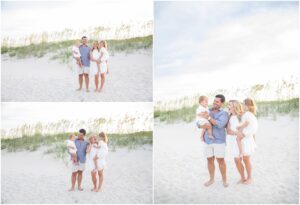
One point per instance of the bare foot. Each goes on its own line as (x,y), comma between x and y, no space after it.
(225,184)
(241,181)
(97,190)
(93,189)
(248,181)
(78,89)
(87,90)
(208,183)
(80,189)
(72,189)
(100,90)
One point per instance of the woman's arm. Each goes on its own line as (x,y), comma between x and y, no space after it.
(91,56)
(243,125)
(229,130)
(88,148)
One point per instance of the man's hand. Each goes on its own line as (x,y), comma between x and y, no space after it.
(203,114)
(205,126)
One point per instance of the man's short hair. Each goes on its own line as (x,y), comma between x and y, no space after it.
(82,131)
(83,37)
(222,97)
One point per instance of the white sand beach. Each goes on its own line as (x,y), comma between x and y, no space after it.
(34,177)
(41,79)
(180,168)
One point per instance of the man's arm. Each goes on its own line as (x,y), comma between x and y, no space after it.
(219,123)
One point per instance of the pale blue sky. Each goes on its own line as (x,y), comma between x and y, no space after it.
(21,18)
(196,40)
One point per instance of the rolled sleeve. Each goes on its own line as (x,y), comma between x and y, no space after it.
(221,121)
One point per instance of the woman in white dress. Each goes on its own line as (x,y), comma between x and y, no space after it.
(101,155)
(104,55)
(92,151)
(95,63)
(246,130)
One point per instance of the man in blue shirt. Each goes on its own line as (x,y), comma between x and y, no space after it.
(77,168)
(215,148)
(84,50)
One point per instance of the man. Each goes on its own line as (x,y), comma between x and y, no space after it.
(78,168)
(215,148)
(84,50)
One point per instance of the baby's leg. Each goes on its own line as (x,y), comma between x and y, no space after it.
(239,138)
(209,131)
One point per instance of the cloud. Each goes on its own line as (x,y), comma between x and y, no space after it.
(257,45)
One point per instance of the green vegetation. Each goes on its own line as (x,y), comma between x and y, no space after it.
(265,108)
(56,144)
(62,50)
(32,143)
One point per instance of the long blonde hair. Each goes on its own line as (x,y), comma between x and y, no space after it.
(95,42)
(104,43)
(251,105)
(104,136)
(238,108)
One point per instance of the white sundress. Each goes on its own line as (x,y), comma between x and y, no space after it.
(231,143)
(102,153)
(93,64)
(248,141)
(90,165)
(104,58)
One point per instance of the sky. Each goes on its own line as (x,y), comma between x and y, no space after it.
(204,46)
(17,114)
(21,18)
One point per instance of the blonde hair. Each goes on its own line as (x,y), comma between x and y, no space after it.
(104,136)
(237,107)
(201,98)
(251,105)
(104,43)
(95,42)
(90,138)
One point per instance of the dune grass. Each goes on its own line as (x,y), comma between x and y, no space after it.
(264,109)
(62,50)
(56,144)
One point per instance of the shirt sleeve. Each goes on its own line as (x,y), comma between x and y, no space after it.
(221,122)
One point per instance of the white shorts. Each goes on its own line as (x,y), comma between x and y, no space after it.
(83,70)
(217,150)
(77,167)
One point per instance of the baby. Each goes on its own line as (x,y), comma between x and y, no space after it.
(203,107)
(76,53)
(72,147)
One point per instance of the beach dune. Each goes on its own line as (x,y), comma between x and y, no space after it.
(180,168)
(34,177)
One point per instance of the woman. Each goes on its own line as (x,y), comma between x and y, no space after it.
(92,150)
(104,55)
(95,65)
(101,162)
(237,115)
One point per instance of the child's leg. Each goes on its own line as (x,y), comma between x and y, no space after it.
(239,138)
(209,131)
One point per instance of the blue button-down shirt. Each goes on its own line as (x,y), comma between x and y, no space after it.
(218,130)
(81,146)
(85,55)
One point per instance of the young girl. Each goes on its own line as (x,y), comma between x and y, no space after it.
(104,55)
(95,65)
(101,155)
(247,128)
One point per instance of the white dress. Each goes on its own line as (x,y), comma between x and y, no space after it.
(104,58)
(248,141)
(103,151)
(93,65)
(231,143)
(90,165)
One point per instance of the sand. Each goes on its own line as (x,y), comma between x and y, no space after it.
(41,79)
(180,168)
(34,177)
